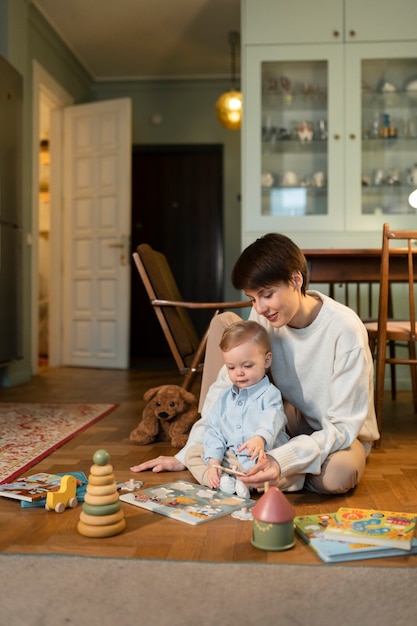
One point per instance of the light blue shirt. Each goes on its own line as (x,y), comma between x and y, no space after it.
(238,415)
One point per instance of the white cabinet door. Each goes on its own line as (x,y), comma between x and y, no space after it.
(380,20)
(292,21)
(96,234)
(324,21)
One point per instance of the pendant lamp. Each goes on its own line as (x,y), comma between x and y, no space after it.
(229,105)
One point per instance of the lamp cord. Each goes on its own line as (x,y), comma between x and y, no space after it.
(234,41)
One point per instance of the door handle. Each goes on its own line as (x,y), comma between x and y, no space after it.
(122,246)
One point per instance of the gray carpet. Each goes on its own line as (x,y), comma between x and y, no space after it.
(66,590)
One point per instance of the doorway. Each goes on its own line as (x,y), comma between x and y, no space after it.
(48,96)
(44,221)
(177,208)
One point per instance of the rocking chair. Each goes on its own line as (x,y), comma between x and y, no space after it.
(186,347)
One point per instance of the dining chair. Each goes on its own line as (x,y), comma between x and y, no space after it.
(386,330)
(187,348)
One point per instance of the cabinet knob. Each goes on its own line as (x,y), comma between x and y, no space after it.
(336,33)
(352,33)
(337,137)
(352,136)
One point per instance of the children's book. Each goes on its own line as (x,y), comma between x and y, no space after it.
(311,528)
(373,527)
(31,488)
(80,493)
(187,502)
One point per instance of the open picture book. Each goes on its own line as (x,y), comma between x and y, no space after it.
(32,490)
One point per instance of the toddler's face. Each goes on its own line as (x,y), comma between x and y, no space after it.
(246,364)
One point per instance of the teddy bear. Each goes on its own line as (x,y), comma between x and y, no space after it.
(168,415)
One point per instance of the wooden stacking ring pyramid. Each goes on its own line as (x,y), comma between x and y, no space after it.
(101,515)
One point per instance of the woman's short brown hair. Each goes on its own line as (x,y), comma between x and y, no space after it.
(269,260)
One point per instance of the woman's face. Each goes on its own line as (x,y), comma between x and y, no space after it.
(279,303)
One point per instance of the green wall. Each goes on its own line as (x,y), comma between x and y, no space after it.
(24,37)
(187,112)
(187,109)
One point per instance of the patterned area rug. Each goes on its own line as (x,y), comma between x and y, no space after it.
(29,432)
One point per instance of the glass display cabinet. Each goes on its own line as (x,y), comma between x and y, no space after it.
(330,140)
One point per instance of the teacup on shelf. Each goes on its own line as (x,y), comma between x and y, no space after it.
(319,179)
(290,179)
(267,180)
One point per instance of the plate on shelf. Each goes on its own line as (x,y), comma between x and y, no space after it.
(411,86)
(385,86)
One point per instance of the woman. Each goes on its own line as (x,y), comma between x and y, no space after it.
(321,363)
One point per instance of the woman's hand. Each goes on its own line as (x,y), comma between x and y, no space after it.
(266,470)
(160,464)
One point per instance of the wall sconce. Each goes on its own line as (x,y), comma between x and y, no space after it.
(229,105)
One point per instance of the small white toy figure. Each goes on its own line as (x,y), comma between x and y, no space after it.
(248,417)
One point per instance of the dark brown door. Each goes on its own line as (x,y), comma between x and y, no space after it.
(177,196)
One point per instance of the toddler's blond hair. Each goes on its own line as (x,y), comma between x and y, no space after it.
(241,332)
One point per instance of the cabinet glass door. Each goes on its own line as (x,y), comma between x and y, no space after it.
(294,138)
(389,135)
(387,76)
(296,122)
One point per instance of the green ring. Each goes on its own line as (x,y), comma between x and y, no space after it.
(101,509)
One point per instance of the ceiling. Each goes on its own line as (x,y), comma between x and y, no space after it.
(144,39)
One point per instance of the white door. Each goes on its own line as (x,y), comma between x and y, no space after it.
(96,234)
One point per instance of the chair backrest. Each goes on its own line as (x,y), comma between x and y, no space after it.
(407,238)
(394,257)
(175,322)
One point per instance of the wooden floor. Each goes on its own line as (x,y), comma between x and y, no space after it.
(390,481)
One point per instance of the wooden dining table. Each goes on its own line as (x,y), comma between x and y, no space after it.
(352,265)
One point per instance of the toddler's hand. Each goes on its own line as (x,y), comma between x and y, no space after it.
(255,447)
(213,477)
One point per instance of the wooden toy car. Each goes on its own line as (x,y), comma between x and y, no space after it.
(65,497)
